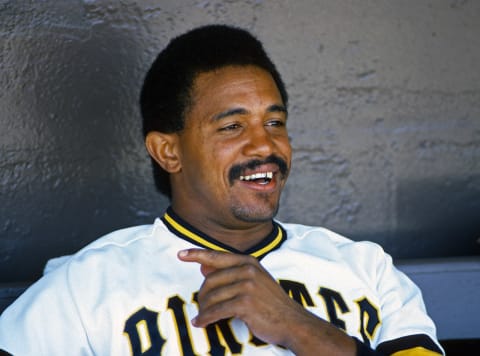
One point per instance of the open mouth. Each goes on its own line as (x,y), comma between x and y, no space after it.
(259,178)
(261,174)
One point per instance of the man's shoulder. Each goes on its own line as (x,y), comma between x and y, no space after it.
(121,241)
(123,237)
(321,238)
(300,231)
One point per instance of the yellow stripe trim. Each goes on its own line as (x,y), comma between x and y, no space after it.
(271,245)
(192,235)
(215,247)
(416,351)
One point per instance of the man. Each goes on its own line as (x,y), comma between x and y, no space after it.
(217,274)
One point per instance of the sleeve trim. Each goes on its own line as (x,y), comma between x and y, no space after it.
(409,342)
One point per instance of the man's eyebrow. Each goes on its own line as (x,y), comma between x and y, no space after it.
(242,111)
(230,112)
(277,108)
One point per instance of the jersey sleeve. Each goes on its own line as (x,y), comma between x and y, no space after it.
(44,320)
(406,327)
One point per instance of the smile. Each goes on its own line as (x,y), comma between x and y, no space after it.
(263,178)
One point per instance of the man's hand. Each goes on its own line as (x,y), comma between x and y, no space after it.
(238,286)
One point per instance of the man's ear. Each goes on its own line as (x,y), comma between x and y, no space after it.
(163,148)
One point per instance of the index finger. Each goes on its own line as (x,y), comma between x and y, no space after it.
(217,259)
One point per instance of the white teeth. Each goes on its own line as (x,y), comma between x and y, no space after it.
(264,175)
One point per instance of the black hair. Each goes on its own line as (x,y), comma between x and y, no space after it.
(166,93)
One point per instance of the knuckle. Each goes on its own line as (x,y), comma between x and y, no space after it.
(218,254)
(246,301)
(248,286)
(213,254)
(249,270)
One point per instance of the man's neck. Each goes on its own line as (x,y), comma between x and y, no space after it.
(239,235)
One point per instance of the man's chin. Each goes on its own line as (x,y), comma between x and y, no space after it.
(255,214)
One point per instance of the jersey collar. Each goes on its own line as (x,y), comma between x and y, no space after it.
(184,230)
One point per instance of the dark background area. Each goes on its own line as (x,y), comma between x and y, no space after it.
(384,119)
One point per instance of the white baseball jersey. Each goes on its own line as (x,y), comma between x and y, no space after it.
(128,294)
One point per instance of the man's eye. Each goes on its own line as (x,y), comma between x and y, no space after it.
(230,127)
(276,123)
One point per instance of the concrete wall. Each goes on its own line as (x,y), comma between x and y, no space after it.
(385,118)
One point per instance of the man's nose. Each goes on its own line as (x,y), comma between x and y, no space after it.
(260,142)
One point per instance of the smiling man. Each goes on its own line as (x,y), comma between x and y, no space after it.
(229,163)
(217,275)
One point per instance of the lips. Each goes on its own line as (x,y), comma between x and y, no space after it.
(264,178)
(260,173)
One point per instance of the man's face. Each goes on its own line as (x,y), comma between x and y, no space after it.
(234,150)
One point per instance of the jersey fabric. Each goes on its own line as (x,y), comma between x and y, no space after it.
(127,293)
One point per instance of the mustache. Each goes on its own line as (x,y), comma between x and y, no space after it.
(237,170)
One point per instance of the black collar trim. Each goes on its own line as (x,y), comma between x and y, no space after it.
(184,230)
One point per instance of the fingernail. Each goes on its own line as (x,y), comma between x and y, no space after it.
(183,253)
(194,321)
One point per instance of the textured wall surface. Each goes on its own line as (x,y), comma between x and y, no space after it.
(384,118)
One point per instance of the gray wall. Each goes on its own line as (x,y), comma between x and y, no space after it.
(385,119)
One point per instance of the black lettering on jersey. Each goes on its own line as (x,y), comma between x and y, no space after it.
(177,306)
(256,341)
(222,330)
(143,334)
(297,291)
(369,319)
(334,302)
(218,332)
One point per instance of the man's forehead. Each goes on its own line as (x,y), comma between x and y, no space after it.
(235,90)
(232,71)
(233,78)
